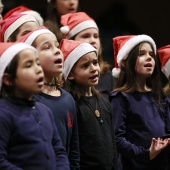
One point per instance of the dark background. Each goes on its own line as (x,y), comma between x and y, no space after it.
(117,17)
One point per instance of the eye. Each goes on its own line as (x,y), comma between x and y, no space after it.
(95,63)
(46,47)
(151,54)
(38,62)
(28,65)
(141,53)
(85,65)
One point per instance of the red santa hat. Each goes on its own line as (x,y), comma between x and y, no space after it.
(72,52)
(24,10)
(164,56)
(31,36)
(73,23)
(12,23)
(7,52)
(122,46)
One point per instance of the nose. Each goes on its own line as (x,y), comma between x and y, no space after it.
(92,40)
(57,51)
(38,69)
(149,57)
(72,1)
(93,68)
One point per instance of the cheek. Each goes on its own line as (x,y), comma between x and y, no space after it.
(44,61)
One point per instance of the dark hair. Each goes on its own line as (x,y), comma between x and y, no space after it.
(52,21)
(11,69)
(13,36)
(77,91)
(125,82)
(104,65)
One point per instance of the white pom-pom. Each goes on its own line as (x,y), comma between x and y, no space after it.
(65,29)
(116,72)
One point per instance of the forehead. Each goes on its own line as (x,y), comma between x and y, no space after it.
(26,54)
(28,25)
(88,57)
(47,37)
(145,45)
(89,30)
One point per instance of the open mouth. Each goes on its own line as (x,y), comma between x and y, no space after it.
(58,61)
(148,65)
(94,77)
(41,79)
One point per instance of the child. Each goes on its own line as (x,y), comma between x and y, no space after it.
(58,100)
(96,139)
(80,27)
(57,8)
(1,10)
(164,56)
(17,25)
(137,103)
(29,139)
(24,10)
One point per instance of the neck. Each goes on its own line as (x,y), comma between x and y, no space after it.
(141,85)
(88,92)
(52,91)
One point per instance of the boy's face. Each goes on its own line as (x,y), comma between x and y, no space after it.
(51,57)
(29,75)
(86,71)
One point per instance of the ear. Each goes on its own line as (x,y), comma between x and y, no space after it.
(71,76)
(6,79)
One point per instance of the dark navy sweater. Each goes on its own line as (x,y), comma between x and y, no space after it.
(65,116)
(138,119)
(29,139)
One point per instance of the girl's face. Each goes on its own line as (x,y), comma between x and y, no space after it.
(26,28)
(29,75)
(51,57)
(66,6)
(145,62)
(91,36)
(86,71)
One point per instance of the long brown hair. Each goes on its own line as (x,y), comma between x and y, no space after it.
(125,82)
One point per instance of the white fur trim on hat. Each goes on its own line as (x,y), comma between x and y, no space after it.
(9,54)
(75,55)
(166,69)
(35,34)
(16,24)
(116,72)
(130,44)
(65,29)
(36,15)
(80,27)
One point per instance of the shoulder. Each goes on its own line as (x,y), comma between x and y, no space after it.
(40,106)
(66,94)
(119,94)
